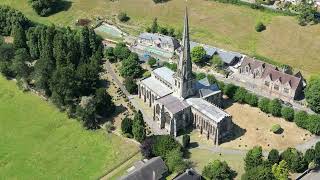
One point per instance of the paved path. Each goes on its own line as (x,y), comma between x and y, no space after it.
(149,120)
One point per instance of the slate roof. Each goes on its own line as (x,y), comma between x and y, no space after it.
(213,112)
(156,86)
(226,56)
(190,174)
(254,64)
(173,104)
(205,89)
(154,166)
(162,38)
(165,73)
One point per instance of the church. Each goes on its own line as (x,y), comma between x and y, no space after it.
(180,102)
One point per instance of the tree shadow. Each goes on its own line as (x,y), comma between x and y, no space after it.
(236,132)
(118,110)
(61,6)
(227,102)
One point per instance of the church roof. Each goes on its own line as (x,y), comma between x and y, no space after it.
(173,104)
(205,89)
(165,73)
(213,112)
(156,86)
(161,38)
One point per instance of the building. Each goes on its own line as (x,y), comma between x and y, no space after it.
(152,169)
(229,58)
(156,45)
(189,174)
(179,101)
(271,80)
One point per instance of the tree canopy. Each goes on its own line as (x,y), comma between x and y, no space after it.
(198,54)
(218,170)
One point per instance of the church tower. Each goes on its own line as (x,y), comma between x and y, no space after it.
(184,80)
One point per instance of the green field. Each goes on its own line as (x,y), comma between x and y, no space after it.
(222,25)
(39,142)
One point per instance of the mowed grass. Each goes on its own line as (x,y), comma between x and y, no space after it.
(39,142)
(222,25)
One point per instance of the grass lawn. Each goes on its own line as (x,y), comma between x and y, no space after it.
(222,25)
(202,157)
(39,142)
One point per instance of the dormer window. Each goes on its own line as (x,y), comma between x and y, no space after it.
(286,90)
(266,83)
(276,87)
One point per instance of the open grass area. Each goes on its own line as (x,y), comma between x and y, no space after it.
(39,142)
(222,25)
(254,130)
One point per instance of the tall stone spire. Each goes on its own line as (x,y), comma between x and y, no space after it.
(184,81)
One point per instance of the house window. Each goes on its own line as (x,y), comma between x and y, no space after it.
(247,69)
(276,87)
(286,90)
(266,83)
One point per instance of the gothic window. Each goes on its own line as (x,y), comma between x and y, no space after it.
(276,87)
(167,117)
(247,69)
(286,90)
(266,83)
(158,109)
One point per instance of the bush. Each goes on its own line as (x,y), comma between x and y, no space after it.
(287,113)
(131,85)
(273,156)
(300,118)
(276,128)
(126,126)
(264,105)
(240,95)
(174,161)
(260,27)
(295,160)
(185,140)
(123,17)
(310,155)
(313,124)
(146,74)
(251,99)
(230,90)
(211,79)
(275,107)
(200,76)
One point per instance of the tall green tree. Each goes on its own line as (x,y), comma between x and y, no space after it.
(104,103)
(138,128)
(131,67)
(198,54)
(253,158)
(218,170)
(19,37)
(258,172)
(275,107)
(45,7)
(19,65)
(154,27)
(313,94)
(174,161)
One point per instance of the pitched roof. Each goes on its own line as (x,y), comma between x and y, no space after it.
(205,89)
(173,104)
(153,167)
(165,73)
(254,64)
(156,86)
(189,174)
(162,38)
(282,77)
(213,112)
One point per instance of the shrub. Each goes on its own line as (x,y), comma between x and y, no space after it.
(146,74)
(217,62)
(281,170)
(200,76)
(264,105)
(310,155)
(294,159)
(174,161)
(230,90)
(313,124)
(146,148)
(260,27)
(126,126)
(276,128)
(287,113)
(211,79)
(251,99)
(185,140)
(240,95)
(300,118)
(273,156)
(275,107)
(123,17)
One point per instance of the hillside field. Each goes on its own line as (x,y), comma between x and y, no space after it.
(222,25)
(39,142)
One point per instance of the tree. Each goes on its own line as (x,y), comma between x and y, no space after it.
(121,51)
(19,37)
(260,27)
(313,124)
(312,94)
(45,7)
(310,155)
(258,172)
(131,85)
(300,118)
(138,127)
(130,67)
(253,158)
(273,156)
(154,27)
(103,102)
(230,90)
(264,105)
(126,126)
(281,171)
(317,151)
(19,66)
(218,170)
(200,76)
(152,61)
(163,30)
(275,107)
(164,144)
(185,140)
(287,113)
(251,99)
(87,75)
(307,13)
(240,95)
(146,147)
(123,17)
(87,115)
(198,54)
(217,62)
(276,128)
(175,162)
(295,160)
(212,80)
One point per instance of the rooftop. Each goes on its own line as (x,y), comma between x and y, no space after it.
(156,86)
(161,38)
(173,104)
(213,112)
(190,174)
(165,73)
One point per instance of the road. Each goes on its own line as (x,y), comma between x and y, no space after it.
(149,120)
